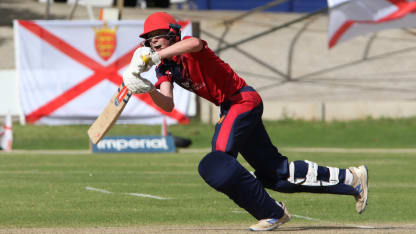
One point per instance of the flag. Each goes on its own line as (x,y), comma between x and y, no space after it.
(351,18)
(6,135)
(69,70)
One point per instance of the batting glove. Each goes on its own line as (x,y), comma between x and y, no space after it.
(135,83)
(143,59)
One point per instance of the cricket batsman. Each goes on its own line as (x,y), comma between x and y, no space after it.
(190,63)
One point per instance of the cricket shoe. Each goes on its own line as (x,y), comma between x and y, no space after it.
(360,184)
(271,224)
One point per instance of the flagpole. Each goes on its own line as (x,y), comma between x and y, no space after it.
(48,6)
(74,7)
(120,4)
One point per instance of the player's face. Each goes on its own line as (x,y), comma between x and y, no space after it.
(158,39)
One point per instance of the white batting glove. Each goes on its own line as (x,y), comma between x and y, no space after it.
(135,83)
(143,59)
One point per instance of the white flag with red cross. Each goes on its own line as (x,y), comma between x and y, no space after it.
(69,70)
(350,18)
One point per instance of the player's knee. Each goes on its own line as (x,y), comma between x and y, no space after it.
(219,170)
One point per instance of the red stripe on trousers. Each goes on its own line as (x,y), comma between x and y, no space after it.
(246,102)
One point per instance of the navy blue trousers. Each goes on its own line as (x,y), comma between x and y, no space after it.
(241,130)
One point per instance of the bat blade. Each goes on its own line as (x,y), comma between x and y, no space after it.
(110,114)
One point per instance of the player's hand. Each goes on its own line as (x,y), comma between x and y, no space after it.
(137,84)
(143,59)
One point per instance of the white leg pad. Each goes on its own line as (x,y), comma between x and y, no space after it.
(311,178)
(333,177)
(312,175)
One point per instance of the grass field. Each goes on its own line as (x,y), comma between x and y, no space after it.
(74,191)
(61,192)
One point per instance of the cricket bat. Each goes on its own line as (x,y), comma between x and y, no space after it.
(111,112)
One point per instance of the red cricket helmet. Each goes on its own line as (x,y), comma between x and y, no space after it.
(158,20)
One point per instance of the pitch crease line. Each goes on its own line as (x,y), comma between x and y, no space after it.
(147,195)
(98,190)
(305,217)
(131,194)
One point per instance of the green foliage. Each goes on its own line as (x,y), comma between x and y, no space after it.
(370,133)
(51,191)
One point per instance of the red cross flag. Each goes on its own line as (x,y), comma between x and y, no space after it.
(350,18)
(68,70)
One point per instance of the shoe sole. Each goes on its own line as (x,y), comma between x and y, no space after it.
(271,228)
(366,185)
(283,221)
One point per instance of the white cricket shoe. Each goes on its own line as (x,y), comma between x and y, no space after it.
(360,183)
(271,224)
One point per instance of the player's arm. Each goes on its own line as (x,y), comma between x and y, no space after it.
(164,97)
(189,45)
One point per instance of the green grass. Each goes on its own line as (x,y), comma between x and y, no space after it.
(384,133)
(47,190)
(50,191)
(370,133)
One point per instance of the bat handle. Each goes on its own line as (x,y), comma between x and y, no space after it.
(145,59)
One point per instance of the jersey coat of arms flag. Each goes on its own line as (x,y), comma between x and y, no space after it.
(105,41)
(350,18)
(68,70)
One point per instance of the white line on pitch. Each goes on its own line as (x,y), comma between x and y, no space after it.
(97,190)
(131,194)
(305,217)
(147,195)
(238,211)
